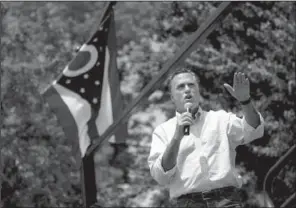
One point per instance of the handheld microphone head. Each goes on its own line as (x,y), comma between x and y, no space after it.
(188,106)
(186,129)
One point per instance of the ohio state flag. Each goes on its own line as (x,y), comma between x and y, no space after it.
(86,97)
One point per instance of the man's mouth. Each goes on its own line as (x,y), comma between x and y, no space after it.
(188,97)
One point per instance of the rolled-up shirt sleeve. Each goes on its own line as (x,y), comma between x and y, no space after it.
(158,146)
(240,132)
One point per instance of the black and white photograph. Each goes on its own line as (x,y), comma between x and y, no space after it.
(148,104)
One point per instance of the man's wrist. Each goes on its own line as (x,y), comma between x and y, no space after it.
(177,137)
(245,102)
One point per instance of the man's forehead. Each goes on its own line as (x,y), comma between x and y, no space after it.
(184,77)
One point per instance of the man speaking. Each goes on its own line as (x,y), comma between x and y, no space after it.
(193,154)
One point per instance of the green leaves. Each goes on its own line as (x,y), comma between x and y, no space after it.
(38,40)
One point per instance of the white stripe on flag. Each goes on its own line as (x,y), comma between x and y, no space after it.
(80,109)
(105,117)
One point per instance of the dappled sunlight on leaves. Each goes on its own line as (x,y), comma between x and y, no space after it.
(39,39)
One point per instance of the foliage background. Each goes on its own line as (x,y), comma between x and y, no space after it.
(39,38)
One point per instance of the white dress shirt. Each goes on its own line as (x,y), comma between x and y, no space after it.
(206,157)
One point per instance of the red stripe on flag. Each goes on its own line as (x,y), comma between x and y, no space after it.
(116,96)
(65,119)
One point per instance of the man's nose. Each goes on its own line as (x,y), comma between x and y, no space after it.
(187,88)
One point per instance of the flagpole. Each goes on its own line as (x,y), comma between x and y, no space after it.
(87,171)
(197,38)
(109,6)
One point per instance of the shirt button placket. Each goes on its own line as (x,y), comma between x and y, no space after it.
(204,165)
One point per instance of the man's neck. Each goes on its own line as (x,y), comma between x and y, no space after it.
(196,112)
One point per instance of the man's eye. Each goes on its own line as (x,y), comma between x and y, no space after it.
(180,86)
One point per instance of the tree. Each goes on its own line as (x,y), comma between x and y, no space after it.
(38,40)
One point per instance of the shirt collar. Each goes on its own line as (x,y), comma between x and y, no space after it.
(197,115)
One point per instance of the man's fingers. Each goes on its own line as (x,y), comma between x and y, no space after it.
(235,78)
(240,87)
(245,79)
(186,114)
(187,120)
(248,83)
(240,78)
(185,123)
(229,88)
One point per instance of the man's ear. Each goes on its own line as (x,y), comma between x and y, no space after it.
(172,98)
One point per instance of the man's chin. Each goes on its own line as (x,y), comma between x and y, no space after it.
(193,107)
(188,101)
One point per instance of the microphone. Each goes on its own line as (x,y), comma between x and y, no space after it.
(186,130)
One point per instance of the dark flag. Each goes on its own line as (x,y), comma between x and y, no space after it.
(86,97)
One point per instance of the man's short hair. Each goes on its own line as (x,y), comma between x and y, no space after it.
(181,71)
